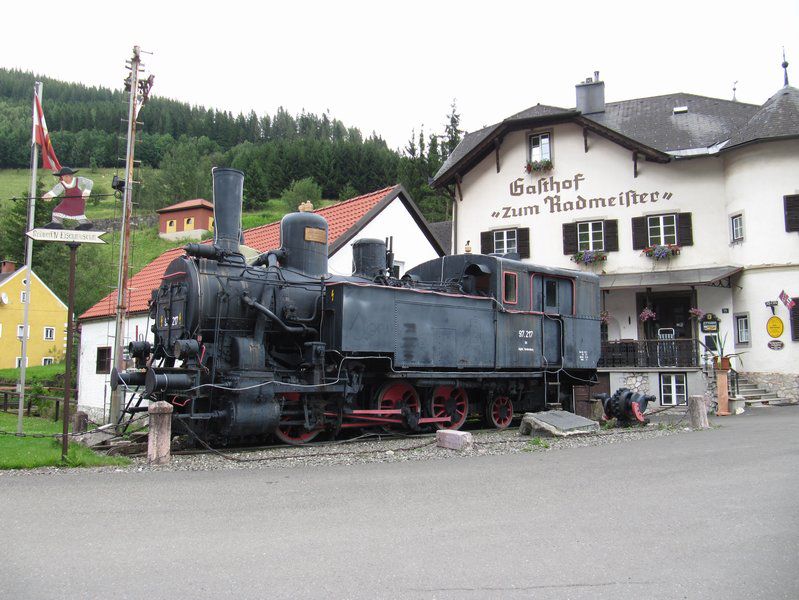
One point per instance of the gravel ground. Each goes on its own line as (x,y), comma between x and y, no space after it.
(380,449)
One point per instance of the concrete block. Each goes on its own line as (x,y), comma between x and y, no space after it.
(96,437)
(454,440)
(560,423)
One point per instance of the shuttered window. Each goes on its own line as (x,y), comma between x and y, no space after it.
(791,213)
(503,241)
(591,235)
(662,229)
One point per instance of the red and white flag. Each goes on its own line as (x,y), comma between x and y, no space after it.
(42,137)
(787,300)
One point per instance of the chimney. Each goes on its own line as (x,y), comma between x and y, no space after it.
(8,266)
(591,95)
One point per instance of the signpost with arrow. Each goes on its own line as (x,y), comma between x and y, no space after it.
(73,240)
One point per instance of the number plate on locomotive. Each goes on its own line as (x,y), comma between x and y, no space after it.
(314,234)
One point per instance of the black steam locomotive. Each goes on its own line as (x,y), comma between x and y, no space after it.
(276,345)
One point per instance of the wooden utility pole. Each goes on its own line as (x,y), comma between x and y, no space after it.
(139,92)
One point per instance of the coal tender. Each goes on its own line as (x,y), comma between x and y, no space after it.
(276,346)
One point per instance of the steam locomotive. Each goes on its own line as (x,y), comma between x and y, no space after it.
(275,345)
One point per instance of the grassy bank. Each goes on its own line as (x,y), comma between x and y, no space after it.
(32,452)
(42,375)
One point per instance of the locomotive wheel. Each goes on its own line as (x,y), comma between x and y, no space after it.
(398,396)
(499,412)
(452,402)
(288,431)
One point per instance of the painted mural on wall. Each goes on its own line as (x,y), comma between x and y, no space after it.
(550,195)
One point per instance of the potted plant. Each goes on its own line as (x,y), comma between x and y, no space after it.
(661,251)
(721,358)
(536,166)
(587,257)
(647,315)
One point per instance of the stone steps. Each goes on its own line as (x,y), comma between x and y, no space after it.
(756,396)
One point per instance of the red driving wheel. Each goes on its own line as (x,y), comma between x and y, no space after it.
(499,412)
(291,429)
(393,396)
(452,402)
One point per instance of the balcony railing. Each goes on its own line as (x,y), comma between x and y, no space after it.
(650,353)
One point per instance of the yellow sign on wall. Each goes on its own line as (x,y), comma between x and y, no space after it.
(775,327)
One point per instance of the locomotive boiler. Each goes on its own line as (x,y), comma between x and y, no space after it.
(274,345)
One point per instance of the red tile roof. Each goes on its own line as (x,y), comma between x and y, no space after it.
(340,217)
(186,204)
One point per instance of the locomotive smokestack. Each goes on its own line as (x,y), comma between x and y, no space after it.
(228,192)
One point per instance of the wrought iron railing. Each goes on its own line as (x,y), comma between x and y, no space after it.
(650,353)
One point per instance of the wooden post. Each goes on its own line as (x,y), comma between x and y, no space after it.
(160,436)
(698,412)
(723,391)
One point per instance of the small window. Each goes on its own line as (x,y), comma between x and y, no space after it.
(20,329)
(103,360)
(742,329)
(590,236)
(794,312)
(662,230)
(18,362)
(49,333)
(540,147)
(510,288)
(47,360)
(673,389)
(550,294)
(737,228)
(188,224)
(23,297)
(505,241)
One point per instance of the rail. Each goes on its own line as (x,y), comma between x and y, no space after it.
(650,353)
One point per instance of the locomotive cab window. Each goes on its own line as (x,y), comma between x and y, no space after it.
(510,288)
(550,295)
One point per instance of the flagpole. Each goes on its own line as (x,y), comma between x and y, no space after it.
(37,92)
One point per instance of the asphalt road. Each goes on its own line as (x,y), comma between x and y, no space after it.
(708,514)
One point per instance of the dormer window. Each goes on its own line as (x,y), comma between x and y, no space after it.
(540,147)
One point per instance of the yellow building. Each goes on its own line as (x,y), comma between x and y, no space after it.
(47,320)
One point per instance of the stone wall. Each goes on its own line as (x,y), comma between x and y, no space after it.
(786,385)
(637,382)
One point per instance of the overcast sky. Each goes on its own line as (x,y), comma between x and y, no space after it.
(392,67)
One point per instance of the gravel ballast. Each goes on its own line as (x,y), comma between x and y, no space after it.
(381,449)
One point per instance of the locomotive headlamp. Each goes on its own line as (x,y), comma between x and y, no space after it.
(186,348)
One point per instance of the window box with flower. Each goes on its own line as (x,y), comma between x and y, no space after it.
(538,166)
(587,257)
(661,251)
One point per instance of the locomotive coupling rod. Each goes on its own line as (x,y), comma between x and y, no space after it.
(302,329)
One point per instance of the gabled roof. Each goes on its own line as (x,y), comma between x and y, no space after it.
(186,204)
(646,125)
(345,219)
(778,118)
(652,121)
(7,277)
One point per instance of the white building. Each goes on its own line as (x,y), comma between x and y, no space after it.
(712,184)
(386,213)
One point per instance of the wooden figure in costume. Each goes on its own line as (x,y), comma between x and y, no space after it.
(74,190)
